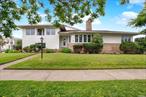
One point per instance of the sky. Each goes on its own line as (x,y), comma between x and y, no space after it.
(116,17)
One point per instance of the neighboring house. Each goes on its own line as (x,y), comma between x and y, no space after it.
(8,43)
(65,36)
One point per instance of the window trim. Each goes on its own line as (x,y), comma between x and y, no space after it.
(31,31)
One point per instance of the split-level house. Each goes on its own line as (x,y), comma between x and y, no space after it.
(66,36)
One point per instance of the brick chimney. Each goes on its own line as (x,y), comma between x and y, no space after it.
(89,25)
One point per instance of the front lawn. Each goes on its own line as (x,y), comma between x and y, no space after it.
(8,57)
(83,61)
(131,88)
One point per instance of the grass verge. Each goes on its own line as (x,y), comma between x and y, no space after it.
(9,57)
(129,88)
(83,61)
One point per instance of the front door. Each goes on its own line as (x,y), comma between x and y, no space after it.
(64,44)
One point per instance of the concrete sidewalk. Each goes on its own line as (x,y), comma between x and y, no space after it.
(73,75)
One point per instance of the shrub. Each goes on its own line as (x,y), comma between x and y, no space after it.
(98,40)
(66,50)
(129,47)
(142,44)
(91,48)
(94,47)
(77,48)
(26,49)
(7,50)
(12,51)
(32,48)
(49,51)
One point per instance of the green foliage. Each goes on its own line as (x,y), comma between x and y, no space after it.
(33,48)
(142,44)
(140,21)
(49,51)
(83,61)
(8,57)
(66,50)
(12,51)
(91,48)
(78,48)
(94,47)
(98,40)
(129,47)
(121,88)
(65,11)
(18,45)
(9,13)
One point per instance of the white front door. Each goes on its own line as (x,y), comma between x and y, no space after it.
(64,41)
(64,44)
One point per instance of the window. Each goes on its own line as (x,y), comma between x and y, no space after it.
(50,31)
(89,38)
(76,38)
(126,38)
(30,31)
(85,38)
(40,31)
(80,38)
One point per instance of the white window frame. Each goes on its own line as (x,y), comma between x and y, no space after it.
(50,31)
(31,31)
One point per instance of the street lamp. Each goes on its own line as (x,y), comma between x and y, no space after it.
(41,47)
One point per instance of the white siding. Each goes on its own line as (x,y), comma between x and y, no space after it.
(108,38)
(52,41)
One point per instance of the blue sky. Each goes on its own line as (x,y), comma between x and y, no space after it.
(116,17)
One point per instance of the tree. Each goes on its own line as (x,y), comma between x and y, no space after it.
(140,21)
(9,12)
(63,11)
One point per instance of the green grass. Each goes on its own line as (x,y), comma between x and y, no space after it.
(83,61)
(8,57)
(131,88)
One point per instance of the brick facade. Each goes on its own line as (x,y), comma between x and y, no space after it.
(108,48)
(111,48)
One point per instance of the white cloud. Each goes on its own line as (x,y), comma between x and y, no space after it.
(125,17)
(136,1)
